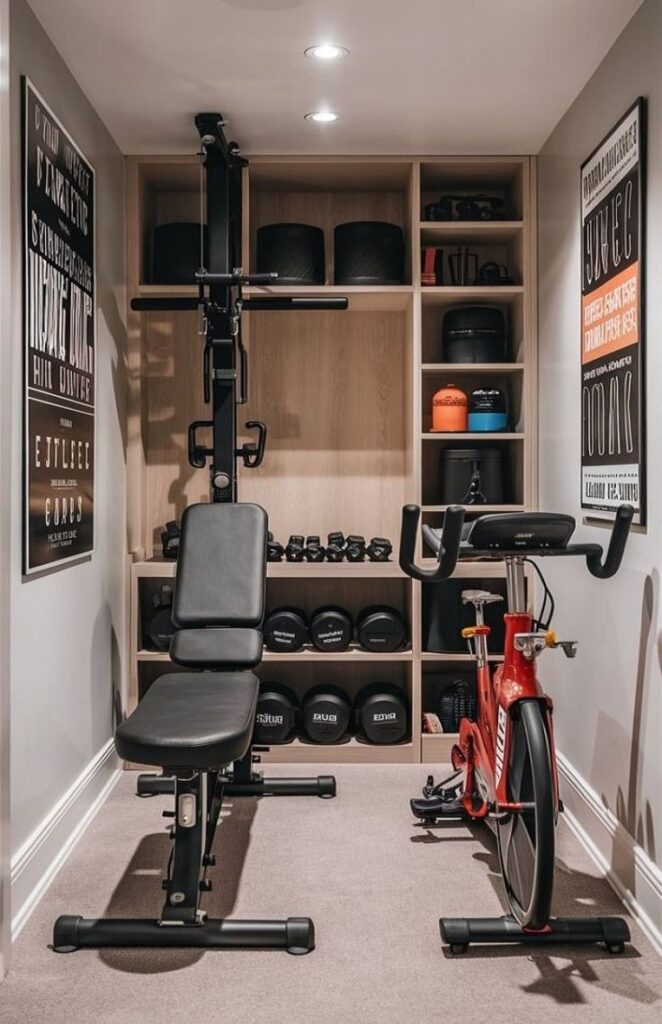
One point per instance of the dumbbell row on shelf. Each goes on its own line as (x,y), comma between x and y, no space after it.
(379,628)
(352,548)
(379,715)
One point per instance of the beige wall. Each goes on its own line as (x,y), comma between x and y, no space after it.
(67,627)
(608,701)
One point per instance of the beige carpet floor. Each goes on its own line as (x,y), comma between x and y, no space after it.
(375,885)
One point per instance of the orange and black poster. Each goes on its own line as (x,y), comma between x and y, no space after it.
(612,343)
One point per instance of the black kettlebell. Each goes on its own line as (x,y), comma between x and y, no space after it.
(325,715)
(381,713)
(285,629)
(276,715)
(330,629)
(381,628)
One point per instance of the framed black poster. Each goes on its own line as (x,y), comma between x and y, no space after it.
(612,343)
(59,341)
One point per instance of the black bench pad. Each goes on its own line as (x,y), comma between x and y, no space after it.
(224,649)
(191,720)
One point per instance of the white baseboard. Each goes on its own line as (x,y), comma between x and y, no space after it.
(635,878)
(37,862)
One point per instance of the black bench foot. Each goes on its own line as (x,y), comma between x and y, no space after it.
(321,785)
(296,934)
(459,933)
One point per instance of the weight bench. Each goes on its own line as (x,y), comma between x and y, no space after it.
(194,724)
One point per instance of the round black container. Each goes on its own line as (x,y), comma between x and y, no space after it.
(471,476)
(330,629)
(285,630)
(293,251)
(276,715)
(381,628)
(474,334)
(176,253)
(381,713)
(369,252)
(325,715)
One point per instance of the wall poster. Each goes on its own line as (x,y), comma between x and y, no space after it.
(59,341)
(612,344)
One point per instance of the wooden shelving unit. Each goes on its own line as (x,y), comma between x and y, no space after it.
(346,397)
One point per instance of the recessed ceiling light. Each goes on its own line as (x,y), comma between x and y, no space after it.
(322,116)
(326,51)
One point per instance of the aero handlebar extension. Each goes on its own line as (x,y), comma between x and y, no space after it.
(450,551)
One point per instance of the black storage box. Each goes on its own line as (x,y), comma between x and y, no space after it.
(445,616)
(369,252)
(293,251)
(176,252)
(474,334)
(472,476)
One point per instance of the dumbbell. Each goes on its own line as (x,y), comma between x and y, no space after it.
(381,628)
(325,715)
(330,629)
(275,549)
(379,549)
(285,629)
(335,551)
(160,629)
(170,539)
(294,548)
(381,713)
(355,549)
(313,550)
(276,715)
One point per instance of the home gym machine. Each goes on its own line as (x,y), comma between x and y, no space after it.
(220,304)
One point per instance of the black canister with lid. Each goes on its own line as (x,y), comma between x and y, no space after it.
(472,476)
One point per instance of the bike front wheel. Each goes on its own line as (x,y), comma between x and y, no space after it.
(526,839)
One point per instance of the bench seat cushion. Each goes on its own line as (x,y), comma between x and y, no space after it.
(224,649)
(191,720)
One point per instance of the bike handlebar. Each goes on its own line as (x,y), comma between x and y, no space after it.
(448,549)
(603,570)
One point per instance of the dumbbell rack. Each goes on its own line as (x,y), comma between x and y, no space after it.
(346,398)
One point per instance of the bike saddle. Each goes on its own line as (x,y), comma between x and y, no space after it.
(479,597)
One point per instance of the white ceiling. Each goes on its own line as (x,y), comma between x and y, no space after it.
(424,76)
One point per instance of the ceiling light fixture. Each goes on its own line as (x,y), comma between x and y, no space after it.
(326,51)
(322,116)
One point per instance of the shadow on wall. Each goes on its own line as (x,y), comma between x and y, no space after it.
(637,820)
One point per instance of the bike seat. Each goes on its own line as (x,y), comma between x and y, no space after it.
(479,597)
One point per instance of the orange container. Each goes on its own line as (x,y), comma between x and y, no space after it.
(450,410)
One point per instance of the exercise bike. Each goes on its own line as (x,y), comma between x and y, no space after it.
(505,771)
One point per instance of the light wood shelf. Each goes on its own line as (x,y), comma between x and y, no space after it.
(352,752)
(157,568)
(345,396)
(467,231)
(442,295)
(479,368)
(455,657)
(472,436)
